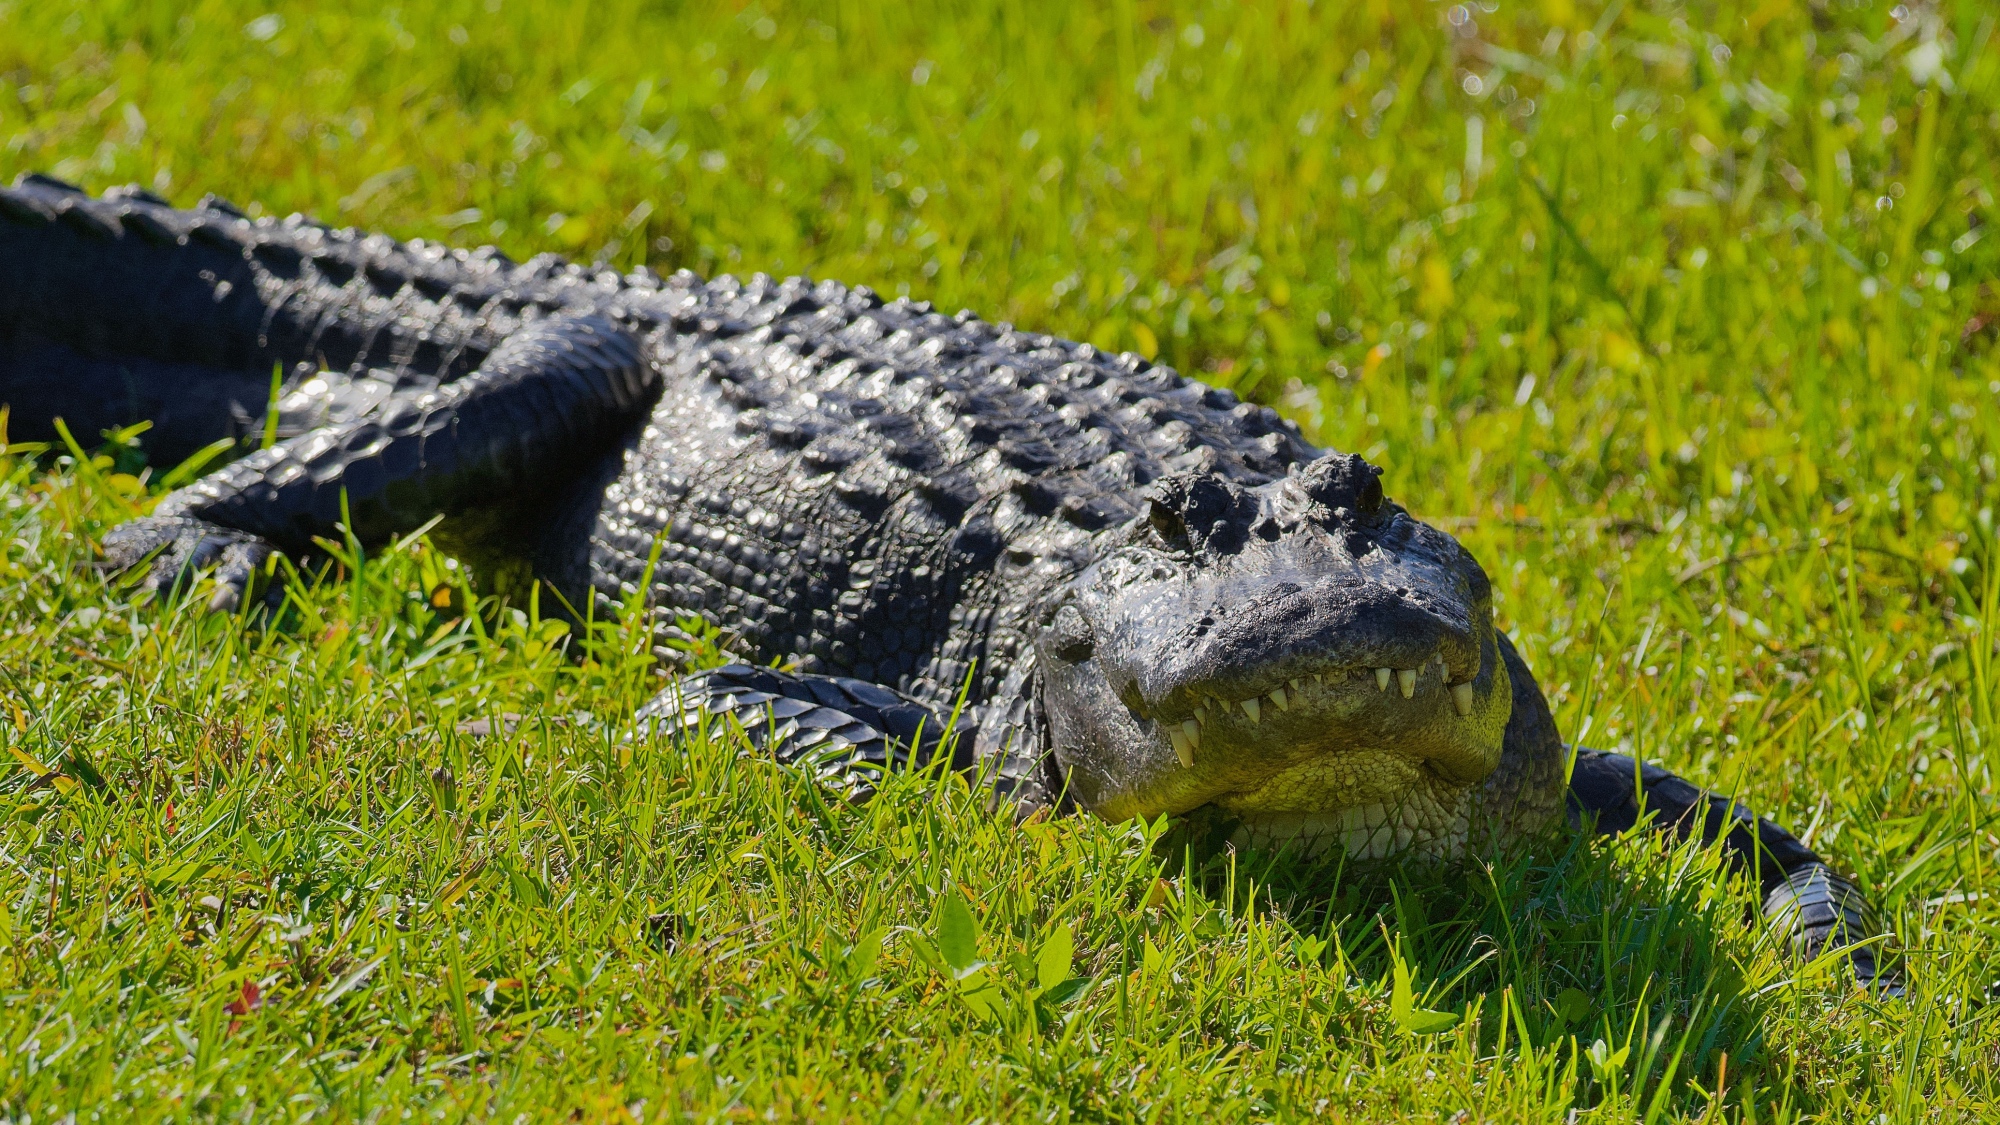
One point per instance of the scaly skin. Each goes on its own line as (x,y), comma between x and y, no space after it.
(1149,597)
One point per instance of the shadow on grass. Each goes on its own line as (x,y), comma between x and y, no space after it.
(1630,963)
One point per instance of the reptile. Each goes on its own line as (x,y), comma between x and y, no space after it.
(1092,582)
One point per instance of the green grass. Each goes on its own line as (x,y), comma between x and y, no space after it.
(1682,317)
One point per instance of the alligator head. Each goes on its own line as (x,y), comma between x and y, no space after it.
(1303,656)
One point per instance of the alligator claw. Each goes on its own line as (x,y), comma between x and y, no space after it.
(174,549)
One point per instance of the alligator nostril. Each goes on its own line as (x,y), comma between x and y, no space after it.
(1370,499)
(1070,636)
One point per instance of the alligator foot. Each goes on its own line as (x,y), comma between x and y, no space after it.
(174,549)
(843,731)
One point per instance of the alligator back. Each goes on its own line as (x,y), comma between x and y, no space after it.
(123,309)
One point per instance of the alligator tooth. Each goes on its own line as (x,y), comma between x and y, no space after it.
(1294,685)
(1192,730)
(1278,697)
(1201,713)
(1461,697)
(1406,680)
(1381,679)
(1254,710)
(1182,749)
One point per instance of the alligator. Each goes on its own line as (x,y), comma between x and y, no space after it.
(1088,581)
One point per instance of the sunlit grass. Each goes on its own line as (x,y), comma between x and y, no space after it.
(1681,317)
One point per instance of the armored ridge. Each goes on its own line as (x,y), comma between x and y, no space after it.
(1152,597)
(184,302)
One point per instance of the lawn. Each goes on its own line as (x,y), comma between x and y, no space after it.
(1681,317)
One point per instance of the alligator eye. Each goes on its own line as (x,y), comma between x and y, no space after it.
(1343,481)
(1166,520)
(1070,637)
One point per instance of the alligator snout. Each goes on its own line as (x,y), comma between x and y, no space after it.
(1295,632)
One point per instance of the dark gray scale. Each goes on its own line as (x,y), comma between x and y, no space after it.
(1801,893)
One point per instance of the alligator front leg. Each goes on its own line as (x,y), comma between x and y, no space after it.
(845,732)
(543,404)
(1812,905)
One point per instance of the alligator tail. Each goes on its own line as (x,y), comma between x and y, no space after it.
(1817,908)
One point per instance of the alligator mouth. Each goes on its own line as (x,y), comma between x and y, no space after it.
(1267,650)
(1186,733)
(1326,741)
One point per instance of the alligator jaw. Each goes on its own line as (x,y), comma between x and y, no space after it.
(1337,743)
(1301,701)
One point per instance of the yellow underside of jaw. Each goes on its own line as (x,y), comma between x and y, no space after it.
(1423,817)
(1328,783)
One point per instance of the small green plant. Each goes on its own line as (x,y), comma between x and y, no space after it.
(1404,1009)
(1008,991)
